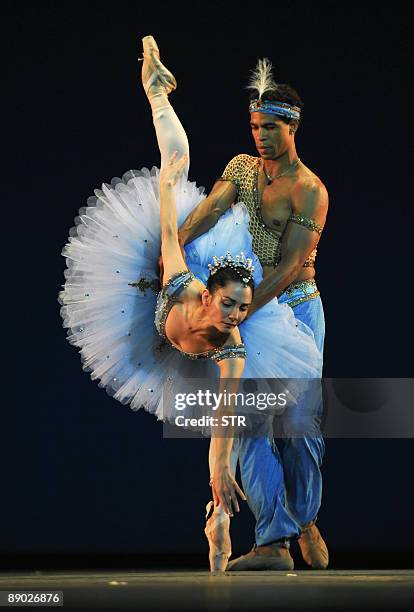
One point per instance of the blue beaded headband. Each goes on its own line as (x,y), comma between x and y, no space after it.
(275,108)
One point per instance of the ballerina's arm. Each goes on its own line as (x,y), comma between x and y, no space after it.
(224,486)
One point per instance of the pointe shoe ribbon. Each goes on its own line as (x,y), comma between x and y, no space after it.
(153,80)
(166,77)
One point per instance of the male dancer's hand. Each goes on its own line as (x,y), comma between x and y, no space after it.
(224,489)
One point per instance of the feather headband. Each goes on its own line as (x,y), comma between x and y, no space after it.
(262,81)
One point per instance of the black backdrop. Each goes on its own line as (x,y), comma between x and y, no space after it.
(85,475)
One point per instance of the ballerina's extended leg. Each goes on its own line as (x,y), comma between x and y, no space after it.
(158,82)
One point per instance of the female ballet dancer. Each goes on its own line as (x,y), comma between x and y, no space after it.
(109,297)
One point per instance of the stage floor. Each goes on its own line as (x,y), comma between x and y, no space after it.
(198,590)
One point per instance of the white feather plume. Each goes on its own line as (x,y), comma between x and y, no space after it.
(262,77)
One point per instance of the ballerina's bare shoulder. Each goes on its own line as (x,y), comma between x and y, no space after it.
(183,331)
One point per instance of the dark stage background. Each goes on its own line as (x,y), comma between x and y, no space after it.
(82,474)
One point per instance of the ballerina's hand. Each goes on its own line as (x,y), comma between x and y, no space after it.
(173,170)
(224,488)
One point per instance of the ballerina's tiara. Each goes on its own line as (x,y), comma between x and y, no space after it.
(275,108)
(241,264)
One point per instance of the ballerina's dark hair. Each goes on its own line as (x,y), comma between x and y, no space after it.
(225,275)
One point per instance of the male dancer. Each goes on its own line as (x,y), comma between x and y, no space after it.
(287,204)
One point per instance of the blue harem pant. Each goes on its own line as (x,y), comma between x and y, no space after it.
(281,477)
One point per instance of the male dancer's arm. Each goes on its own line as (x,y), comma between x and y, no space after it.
(204,216)
(208,211)
(310,200)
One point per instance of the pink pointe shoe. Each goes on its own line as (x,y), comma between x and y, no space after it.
(154,73)
(217,531)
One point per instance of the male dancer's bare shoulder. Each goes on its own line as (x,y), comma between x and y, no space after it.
(309,196)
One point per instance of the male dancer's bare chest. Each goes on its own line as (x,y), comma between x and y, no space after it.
(275,206)
(270,204)
(275,209)
(270,207)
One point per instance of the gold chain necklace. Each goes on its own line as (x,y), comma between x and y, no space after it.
(273,178)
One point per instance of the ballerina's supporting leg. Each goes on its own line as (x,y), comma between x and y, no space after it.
(158,82)
(217,528)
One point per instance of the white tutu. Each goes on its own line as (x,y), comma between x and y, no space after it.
(115,242)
